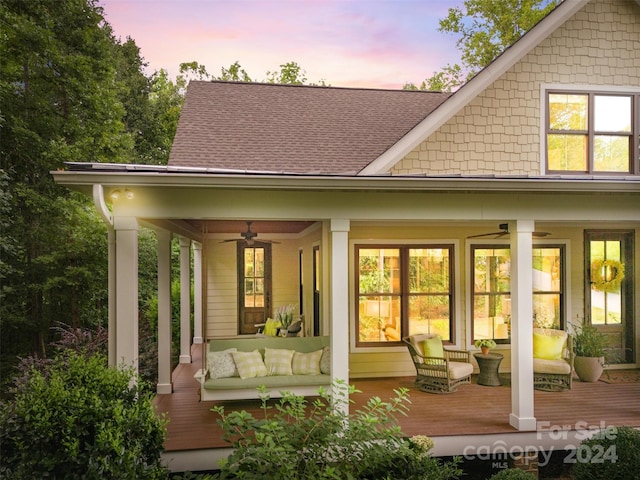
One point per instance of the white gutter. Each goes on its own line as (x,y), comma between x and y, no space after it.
(85,180)
(101,206)
(103,211)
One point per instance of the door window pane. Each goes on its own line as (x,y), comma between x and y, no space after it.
(254,293)
(606,303)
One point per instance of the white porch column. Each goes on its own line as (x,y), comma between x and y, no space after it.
(185,300)
(126,290)
(339,321)
(522,411)
(164,312)
(197,293)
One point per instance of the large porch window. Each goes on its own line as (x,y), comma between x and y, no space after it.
(491,306)
(403,290)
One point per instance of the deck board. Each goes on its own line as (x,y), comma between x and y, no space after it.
(472,410)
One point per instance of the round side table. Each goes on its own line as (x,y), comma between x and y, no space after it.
(488,364)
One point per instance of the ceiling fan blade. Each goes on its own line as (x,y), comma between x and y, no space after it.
(501,233)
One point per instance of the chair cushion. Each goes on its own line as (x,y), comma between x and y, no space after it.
(249,364)
(559,367)
(548,347)
(432,347)
(459,370)
(307,363)
(278,361)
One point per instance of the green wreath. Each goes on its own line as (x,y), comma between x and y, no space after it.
(598,269)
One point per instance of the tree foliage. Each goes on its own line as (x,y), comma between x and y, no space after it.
(485,28)
(290,74)
(69,91)
(76,418)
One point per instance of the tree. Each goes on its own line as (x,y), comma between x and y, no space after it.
(164,107)
(290,73)
(486,28)
(69,91)
(235,73)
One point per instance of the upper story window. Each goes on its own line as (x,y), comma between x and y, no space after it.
(403,290)
(592,132)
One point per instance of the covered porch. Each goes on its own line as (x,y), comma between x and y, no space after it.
(472,421)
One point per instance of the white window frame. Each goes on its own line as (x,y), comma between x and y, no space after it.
(544,89)
(469,274)
(458,321)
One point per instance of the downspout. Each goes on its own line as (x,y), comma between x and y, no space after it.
(105,214)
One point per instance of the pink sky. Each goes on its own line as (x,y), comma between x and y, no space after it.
(348,43)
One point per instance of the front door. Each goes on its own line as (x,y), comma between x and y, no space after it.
(609,290)
(254,286)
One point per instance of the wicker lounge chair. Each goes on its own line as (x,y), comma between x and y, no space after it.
(442,373)
(554,372)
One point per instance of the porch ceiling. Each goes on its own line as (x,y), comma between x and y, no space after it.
(259,226)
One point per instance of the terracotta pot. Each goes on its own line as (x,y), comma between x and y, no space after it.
(484,350)
(589,369)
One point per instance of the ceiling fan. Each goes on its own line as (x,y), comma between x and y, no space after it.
(249,237)
(504,230)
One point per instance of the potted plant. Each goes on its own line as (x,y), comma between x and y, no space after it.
(485,344)
(284,315)
(589,347)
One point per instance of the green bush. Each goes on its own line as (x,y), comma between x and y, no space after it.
(76,418)
(296,440)
(513,474)
(612,453)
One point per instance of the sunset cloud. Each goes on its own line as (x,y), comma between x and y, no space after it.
(360,43)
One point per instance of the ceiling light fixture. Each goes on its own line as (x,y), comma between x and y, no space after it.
(116,194)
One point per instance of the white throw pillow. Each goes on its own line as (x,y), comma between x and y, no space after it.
(325,361)
(221,364)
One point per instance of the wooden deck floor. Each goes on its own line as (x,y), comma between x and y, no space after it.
(472,410)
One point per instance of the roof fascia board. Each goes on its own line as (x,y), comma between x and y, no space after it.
(84,181)
(474,87)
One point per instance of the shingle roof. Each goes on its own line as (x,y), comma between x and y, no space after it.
(293,128)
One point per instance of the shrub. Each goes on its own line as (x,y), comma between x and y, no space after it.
(513,474)
(295,440)
(79,419)
(611,453)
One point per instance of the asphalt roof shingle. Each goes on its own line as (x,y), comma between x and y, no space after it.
(293,128)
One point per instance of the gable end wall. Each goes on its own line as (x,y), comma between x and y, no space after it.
(499,131)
